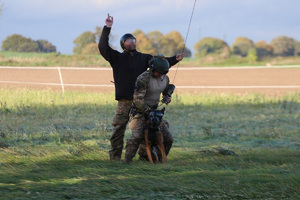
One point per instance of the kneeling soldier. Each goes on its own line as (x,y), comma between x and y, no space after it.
(149,86)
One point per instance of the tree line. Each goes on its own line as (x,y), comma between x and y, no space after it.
(172,43)
(19,43)
(167,44)
(245,47)
(153,43)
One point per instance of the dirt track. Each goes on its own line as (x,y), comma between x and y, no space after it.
(270,81)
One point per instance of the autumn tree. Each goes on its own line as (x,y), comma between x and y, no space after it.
(143,43)
(173,43)
(283,46)
(263,49)
(91,48)
(241,46)
(211,46)
(18,43)
(82,40)
(137,32)
(45,46)
(97,33)
(155,39)
(167,46)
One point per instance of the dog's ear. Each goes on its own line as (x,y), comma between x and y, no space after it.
(163,110)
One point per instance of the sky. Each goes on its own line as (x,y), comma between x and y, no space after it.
(61,21)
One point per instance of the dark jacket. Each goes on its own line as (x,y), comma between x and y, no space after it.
(126,67)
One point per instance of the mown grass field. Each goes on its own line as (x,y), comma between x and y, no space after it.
(55,146)
(81,60)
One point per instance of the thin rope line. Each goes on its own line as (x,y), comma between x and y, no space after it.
(183,49)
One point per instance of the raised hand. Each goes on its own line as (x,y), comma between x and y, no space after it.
(109,20)
(179,56)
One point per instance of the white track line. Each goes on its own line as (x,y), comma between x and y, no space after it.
(172,69)
(179,87)
(233,68)
(56,84)
(239,87)
(31,83)
(55,68)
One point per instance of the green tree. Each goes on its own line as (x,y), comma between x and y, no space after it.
(1,7)
(137,32)
(187,52)
(91,48)
(97,33)
(211,46)
(241,46)
(143,43)
(263,49)
(18,43)
(252,55)
(283,46)
(155,38)
(45,46)
(167,46)
(82,40)
(173,43)
(297,48)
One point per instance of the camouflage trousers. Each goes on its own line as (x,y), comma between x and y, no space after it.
(137,125)
(119,126)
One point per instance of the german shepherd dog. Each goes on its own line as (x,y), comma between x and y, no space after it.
(154,137)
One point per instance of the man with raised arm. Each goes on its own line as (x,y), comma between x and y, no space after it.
(127,66)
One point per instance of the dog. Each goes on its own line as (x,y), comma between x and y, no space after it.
(154,137)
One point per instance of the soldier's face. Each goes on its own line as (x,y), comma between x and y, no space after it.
(157,74)
(130,44)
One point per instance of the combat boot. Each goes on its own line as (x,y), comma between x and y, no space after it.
(131,149)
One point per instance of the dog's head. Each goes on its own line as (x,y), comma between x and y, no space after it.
(155,117)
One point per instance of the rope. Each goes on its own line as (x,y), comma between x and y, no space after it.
(183,49)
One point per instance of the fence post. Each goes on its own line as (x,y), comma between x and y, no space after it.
(61,80)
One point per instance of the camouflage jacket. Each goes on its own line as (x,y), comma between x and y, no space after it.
(148,90)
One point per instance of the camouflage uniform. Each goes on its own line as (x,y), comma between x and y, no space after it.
(119,123)
(146,96)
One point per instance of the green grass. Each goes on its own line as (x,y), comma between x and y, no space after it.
(56,59)
(237,61)
(55,146)
(51,59)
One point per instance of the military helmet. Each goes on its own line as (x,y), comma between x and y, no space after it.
(159,64)
(125,37)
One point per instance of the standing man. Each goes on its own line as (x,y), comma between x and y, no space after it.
(127,66)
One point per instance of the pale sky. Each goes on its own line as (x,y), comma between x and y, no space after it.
(61,21)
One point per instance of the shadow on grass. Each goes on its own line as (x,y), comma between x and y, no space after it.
(255,174)
(41,125)
(63,130)
(80,126)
